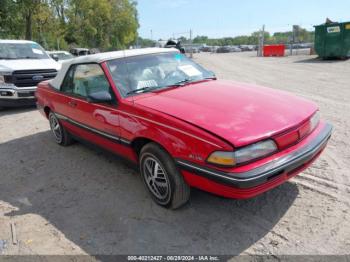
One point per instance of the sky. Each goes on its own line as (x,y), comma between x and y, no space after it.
(224,18)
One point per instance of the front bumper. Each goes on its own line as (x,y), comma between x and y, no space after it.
(281,168)
(14,96)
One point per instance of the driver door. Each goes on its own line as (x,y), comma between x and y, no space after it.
(96,122)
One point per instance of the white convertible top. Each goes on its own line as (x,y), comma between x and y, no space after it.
(102,57)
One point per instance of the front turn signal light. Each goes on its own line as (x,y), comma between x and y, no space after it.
(222,158)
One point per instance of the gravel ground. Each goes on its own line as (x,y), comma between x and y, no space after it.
(77,200)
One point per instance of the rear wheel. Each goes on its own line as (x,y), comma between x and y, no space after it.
(161,177)
(61,136)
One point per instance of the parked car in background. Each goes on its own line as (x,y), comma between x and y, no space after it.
(60,55)
(80,51)
(246,48)
(235,49)
(214,49)
(23,64)
(306,45)
(206,49)
(300,45)
(223,49)
(183,127)
(192,49)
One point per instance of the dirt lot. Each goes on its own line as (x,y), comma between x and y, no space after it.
(77,200)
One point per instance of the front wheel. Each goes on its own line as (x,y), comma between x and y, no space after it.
(61,136)
(161,177)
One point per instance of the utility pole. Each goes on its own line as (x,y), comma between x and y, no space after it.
(263,36)
(294,38)
(261,41)
(191,53)
(292,41)
(151,34)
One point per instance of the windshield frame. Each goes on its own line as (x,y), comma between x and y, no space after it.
(210,75)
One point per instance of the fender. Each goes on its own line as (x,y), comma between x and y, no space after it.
(172,134)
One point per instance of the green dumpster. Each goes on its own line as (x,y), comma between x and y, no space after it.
(332,40)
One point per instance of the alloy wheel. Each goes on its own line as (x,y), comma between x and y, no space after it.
(156,178)
(56,128)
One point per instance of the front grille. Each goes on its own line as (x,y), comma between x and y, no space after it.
(27,94)
(24,78)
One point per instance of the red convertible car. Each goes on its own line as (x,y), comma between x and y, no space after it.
(182,126)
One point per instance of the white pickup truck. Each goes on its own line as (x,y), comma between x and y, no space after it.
(23,64)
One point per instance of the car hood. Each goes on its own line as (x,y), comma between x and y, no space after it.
(11,65)
(239,113)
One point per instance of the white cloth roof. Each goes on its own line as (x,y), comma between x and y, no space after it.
(102,57)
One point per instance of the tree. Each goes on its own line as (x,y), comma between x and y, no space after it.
(200,40)
(27,9)
(9,20)
(104,24)
(144,42)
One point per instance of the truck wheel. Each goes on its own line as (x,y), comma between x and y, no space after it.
(62,137)
(161,177)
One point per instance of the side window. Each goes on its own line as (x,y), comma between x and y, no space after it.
(67,85)
(88,79)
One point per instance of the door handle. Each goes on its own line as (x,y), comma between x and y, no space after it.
(72,103)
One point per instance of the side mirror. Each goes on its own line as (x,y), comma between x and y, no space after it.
(55,57)
(213,74)
(99,97)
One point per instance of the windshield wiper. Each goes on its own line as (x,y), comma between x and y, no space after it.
(188,80)
(182,82)
(142,90)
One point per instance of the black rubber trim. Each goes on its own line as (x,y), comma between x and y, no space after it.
(108,136)
(264,173)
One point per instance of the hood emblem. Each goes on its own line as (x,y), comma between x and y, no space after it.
(37,77)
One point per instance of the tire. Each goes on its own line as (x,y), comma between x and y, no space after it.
(60,134)
(161,177)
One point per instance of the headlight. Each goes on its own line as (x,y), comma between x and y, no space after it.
(2,79)
(314,121)
(243,155)
(255,151)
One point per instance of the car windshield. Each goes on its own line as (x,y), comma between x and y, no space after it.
(22,51)
(138,74)
(62,56)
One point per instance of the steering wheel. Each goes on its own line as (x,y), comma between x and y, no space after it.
(177,75)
